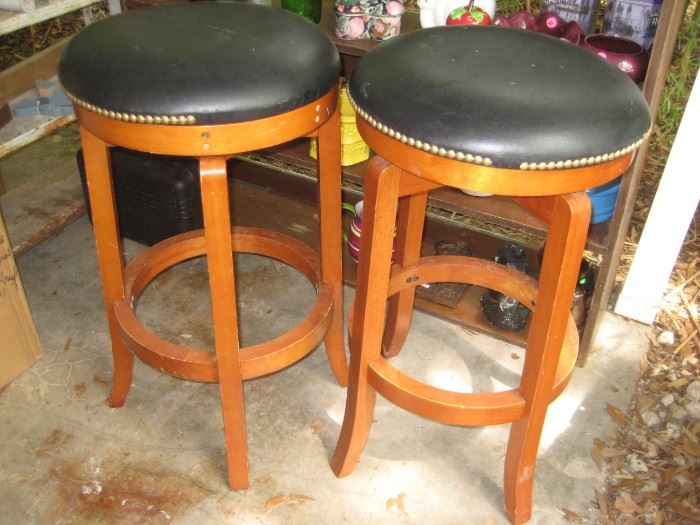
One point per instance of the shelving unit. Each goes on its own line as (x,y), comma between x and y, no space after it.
(605,240)
(19,79)
(290,170)
(45,9)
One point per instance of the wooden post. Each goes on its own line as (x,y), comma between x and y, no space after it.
(666,35)
(667,223)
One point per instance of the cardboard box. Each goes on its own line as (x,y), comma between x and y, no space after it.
(19,343)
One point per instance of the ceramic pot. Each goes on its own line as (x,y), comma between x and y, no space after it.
(626,54)
(573,33)
(352,237)
(583,12)
(603,199)
(550,23)
(354,233)
(523,20)
(501,20)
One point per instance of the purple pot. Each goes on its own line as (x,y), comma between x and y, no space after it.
(550,23)
(573,33)
(523,20)
(626,54)
(502,21)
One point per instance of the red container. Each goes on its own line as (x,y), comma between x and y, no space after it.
(157,196)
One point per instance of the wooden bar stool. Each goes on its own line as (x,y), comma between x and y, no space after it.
(210,80)
(493,110)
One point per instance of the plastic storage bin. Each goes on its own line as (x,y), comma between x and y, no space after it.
(157,196)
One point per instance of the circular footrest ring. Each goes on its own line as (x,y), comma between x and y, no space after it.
(200,364)
(458,408)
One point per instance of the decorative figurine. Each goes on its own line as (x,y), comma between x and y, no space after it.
(435,12)
(469,15)
(501,310)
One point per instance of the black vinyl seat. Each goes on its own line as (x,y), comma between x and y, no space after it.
(199,63)
(463,93)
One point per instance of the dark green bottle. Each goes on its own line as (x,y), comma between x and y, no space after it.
(310,9)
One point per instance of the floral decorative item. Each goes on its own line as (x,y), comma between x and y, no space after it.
(368,19)
(435,12)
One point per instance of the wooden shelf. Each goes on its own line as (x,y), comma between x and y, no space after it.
(45,9)
(293,159)
(25,130)
(299,218)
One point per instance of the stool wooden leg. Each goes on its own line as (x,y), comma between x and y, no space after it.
(409,236)
(568,225)
(217,232)
(329,198)
(106,225)
(379,219)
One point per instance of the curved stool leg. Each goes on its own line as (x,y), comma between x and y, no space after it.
(329,198)
(408,244)
(381,196)
(568,217)
(217,233)
(106,225)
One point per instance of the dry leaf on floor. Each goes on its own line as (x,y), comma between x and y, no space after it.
(597,458)
(396,502)
(570,515)
(316,426)
(286,499)
(678,383)
(608,452)
(602,502)
(99,380)
(617,415)
(691,447)
(625,504)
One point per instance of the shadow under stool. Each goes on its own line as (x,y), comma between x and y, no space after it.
(210,80)
(491,110)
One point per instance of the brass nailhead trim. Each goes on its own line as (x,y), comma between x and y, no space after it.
(132,117)
(485,161)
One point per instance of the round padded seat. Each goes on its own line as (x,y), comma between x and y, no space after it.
(199,63)
(464,93)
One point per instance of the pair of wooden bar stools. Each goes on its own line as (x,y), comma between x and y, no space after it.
(486,109)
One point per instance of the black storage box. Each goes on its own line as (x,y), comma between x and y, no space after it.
(157,196)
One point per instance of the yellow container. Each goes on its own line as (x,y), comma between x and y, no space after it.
(352,148)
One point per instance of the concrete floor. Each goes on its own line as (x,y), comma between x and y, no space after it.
(68,458)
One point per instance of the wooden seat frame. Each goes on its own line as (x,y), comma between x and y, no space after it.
(396,183)
(122,285)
